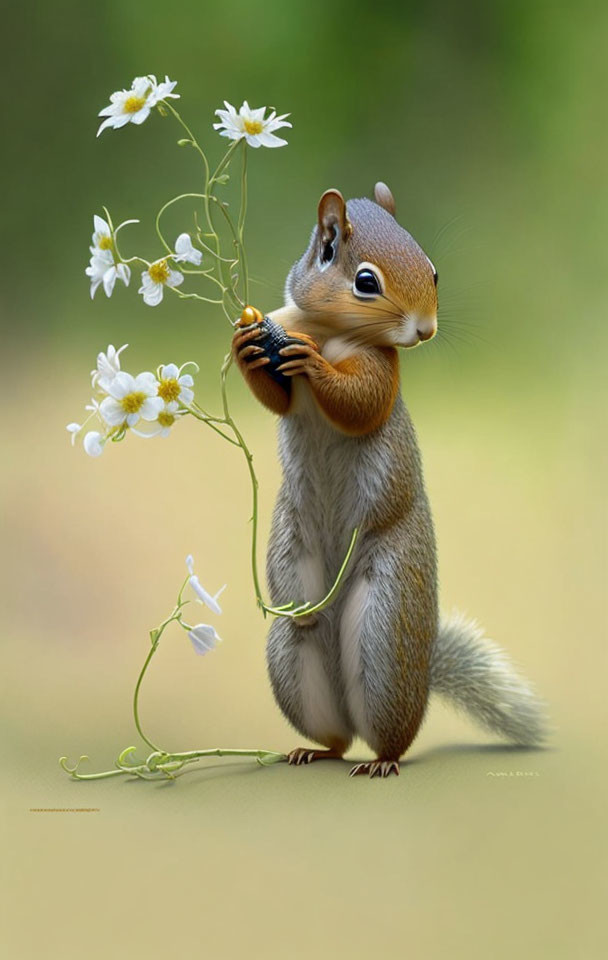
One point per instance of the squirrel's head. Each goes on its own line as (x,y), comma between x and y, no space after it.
(363,276)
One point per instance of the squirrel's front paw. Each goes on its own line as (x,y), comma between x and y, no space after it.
(301,356)
(259,341)
(248,330)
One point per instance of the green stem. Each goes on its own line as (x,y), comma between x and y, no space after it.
(224,161)
(155,635)
(254,481)
(241,226)
(136,695)
(211,422)
(306,609)
(191,755)
(169,203)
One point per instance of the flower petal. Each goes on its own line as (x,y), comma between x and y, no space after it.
(109,279)
(151,407)
(112,412)
(202,594)
(101,226)
(93,443)
(175,278)
(122,384)
(169,371)
(204,638)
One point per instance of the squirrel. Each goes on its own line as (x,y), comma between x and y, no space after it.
(365,664)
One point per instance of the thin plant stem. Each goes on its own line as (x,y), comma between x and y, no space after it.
(142,674)
(241,226)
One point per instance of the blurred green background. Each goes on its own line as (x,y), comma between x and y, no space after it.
(488,122)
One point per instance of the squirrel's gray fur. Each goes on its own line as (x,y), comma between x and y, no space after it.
(325,493)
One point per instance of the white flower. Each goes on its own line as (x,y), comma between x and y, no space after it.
(167,417)
(204,638)
(251,124)
(174,385)
(153,281)
(131,398)
(161,427)
(103,269)
(164,90)
(185,252)
(103,266)
(134,105)
(108,365)
(200,591)
(93,443)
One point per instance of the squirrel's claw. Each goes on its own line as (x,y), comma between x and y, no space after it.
(305,755)
(376,768)
(254,364)
(302,355)
(250,351)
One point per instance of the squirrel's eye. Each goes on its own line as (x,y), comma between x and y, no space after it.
(366,283)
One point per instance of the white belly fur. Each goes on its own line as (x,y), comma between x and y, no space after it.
(321,716)
(351,625)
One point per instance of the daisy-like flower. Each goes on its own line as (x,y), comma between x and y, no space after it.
(131,398)
(167,417)
(185,252)
(173,385)
(204,638)
(108,365)
(134,105)
(203,596)
(104,266)
(161,427)
(257,129)
(155,278)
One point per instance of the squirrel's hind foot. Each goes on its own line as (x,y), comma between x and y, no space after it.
(304,755)
(376,768)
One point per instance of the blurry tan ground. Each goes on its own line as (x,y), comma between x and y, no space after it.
(455,858)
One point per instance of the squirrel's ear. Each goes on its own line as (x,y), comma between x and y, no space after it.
(333,221)
(384,197)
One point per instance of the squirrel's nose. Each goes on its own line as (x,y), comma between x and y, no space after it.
(427,328)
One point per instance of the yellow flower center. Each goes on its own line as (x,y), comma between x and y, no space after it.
(133,402)
(169,390)
(253,126)
(159,272)
(166,419)
(133,104)
(105,243)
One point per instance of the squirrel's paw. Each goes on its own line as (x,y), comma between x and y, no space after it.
(302,356)
(244,349)
(304,755)
(376,768)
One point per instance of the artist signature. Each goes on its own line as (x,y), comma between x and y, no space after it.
(512,773)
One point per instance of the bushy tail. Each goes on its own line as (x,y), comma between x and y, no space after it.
(474,674)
